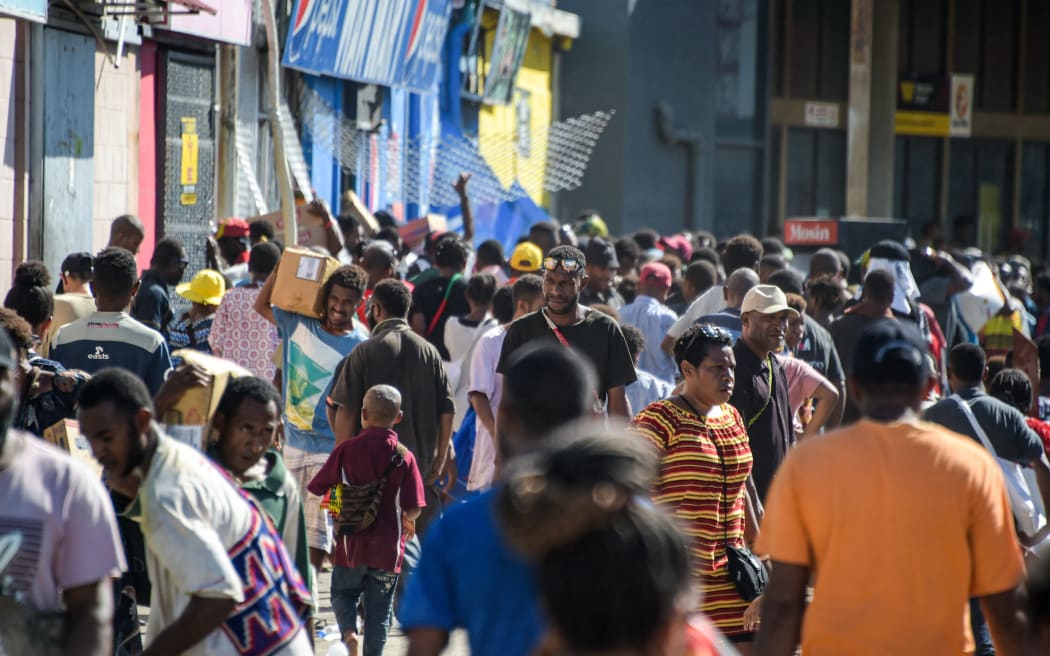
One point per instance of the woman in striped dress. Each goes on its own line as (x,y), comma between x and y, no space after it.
(696,432)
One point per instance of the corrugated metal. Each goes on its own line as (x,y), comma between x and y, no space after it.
(250,197)
(69,145)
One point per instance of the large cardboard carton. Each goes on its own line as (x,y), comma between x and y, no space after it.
(415,231)
(189,419)
(66,435)
(299,279)
(309,227)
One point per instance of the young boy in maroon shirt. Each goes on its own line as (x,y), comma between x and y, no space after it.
(367,563)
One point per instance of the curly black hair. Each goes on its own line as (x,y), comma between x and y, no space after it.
(350,277)
(30,294)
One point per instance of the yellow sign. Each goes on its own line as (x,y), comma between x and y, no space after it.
(922,124)
(189,164)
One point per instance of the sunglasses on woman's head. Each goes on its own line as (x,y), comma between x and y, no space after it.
(709,332)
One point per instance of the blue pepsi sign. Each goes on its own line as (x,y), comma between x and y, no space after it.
(396,43)
(32,9)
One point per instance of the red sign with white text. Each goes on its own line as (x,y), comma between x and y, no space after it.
(811,232)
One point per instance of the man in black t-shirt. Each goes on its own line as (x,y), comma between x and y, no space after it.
(430,310)
(761,390)
(563,320)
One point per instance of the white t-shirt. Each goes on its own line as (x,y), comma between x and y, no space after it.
(58,529)
(459,340)
(710,302)
(191,517)
(484,379)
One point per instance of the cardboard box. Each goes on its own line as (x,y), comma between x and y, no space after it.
(66,436)
(352,205)
(309,227)
(415,231)
(299,279)
(189,420)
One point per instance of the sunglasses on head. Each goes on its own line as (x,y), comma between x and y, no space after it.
(568,264)
(708,332)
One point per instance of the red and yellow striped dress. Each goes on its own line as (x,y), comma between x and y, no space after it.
(690,487)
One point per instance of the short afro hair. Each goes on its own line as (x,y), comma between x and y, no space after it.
(246,387)
(349,276)
(451,253)
(126,390)
(393,296)
(116,272)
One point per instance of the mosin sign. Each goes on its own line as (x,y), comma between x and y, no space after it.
(393,43)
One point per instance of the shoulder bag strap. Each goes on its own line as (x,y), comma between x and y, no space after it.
(554,329)
(974,424)
(723,501)
(444,304)
(769,366)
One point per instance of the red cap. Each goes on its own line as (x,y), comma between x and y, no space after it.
(233,227)
(655,273)
(679,244)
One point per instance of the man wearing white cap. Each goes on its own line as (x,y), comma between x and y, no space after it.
(761,391)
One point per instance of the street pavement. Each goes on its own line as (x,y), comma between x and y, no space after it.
(396,644)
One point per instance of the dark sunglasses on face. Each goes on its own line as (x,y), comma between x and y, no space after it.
(568,264)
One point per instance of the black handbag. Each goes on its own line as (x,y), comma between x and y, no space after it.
(746,571)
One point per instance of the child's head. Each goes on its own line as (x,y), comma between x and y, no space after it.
(247,420)
(382,407)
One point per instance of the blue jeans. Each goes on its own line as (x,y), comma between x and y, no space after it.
(981,635)
(349,584)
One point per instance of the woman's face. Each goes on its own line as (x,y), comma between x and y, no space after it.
(711,381)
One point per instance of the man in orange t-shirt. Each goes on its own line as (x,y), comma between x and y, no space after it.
(898,521)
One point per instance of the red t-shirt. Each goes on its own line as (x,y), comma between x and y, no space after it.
(361,460)
(1042,429)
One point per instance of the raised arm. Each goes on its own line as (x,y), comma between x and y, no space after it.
(460,185)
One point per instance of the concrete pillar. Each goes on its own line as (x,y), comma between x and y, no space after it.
(885,35)
(859,120)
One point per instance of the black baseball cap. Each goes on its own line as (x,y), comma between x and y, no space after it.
(81,265)
(601,252)
(890,351)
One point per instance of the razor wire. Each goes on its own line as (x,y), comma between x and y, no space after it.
(421,170)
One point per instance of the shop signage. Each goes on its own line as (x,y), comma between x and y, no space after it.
(35,10)
(822,115)
(811,232)
(395,43)
(189,171)
(934,105)
(962,105)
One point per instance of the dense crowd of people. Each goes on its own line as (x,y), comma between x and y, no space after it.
(652,444)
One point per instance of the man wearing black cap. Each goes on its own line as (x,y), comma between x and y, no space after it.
(602,266)
(902,521)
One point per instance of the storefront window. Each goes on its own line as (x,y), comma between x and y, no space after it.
(816,172)
(916,180)
(1033,214)
(981,187)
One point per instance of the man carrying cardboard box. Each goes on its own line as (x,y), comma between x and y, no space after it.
(312,350)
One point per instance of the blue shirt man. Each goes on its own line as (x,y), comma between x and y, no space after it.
(649,314)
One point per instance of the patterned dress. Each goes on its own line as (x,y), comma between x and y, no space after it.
(690,486)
